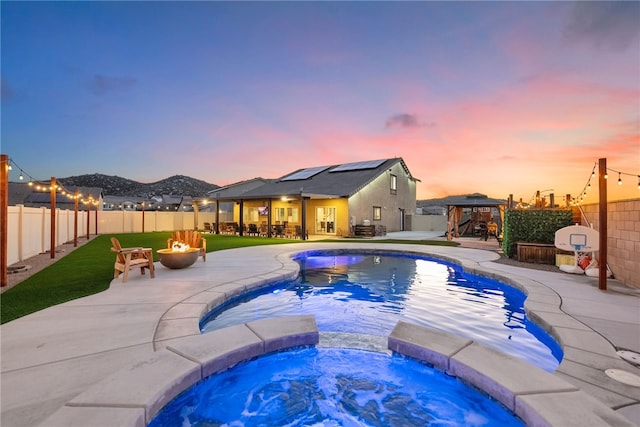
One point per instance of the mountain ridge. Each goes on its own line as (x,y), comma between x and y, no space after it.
(113,185)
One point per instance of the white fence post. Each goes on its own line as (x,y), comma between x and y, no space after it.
(28,229)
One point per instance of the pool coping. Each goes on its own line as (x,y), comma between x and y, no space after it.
(135,395)
(180,325)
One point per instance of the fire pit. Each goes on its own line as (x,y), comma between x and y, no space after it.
(178,256)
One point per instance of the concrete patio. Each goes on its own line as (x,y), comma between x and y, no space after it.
(57,363)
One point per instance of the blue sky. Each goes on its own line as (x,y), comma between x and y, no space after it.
(493,97)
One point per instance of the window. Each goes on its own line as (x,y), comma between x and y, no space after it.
(377,213)
(251,215)
(394,184)
(279,214)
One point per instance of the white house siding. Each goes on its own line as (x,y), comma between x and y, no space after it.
(378,193)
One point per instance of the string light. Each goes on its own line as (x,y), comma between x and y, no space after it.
(41,185)
(583,193)
(620,173)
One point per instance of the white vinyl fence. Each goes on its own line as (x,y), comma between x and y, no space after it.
(29,229)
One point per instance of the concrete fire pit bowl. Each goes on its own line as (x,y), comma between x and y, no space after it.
(178,259)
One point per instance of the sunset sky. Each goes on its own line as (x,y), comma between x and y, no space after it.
(492,97)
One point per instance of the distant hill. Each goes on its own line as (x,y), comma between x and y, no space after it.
(117,186)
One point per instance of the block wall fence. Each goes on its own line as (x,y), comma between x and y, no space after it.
(623,237)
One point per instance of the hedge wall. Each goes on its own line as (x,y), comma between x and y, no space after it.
(532,226)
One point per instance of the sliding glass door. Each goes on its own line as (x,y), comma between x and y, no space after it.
(325,220)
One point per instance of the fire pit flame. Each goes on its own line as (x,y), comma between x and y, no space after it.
(179,247)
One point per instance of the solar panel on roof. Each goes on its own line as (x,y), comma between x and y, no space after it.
(304,173)
(371,164)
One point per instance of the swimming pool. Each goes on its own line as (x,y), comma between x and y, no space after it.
(368,293)
(333,387)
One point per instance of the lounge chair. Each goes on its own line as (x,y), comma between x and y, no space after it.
(130,258)
(192,238)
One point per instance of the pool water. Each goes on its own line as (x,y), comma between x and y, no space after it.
(333,387)
(369,293)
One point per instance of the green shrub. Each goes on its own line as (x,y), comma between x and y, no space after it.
(532,226)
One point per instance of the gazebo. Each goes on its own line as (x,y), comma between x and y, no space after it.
(482,211)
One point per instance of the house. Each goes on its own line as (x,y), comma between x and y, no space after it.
(369,197)
(40,196)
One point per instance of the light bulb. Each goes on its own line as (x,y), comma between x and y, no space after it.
(619,179)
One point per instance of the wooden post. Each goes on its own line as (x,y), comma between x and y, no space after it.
(538,199)
(76,196)
(552,201)
(510,202)
(88,215)
(96,217)
(53,217)
(4,217)
(142,216)
(602,220)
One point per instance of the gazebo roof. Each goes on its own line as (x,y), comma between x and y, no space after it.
(473,200)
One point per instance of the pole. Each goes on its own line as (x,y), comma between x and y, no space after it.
(96,217)
(602,221)
(75,218)
(217,213)
(88,215)
(194,204)
(142,216)
(53,217)
(4,217)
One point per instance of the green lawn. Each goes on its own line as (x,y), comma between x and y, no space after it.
(89,269)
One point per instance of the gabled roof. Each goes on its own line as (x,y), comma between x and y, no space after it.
(238,189)
(333,181)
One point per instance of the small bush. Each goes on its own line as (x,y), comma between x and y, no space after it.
(532,226)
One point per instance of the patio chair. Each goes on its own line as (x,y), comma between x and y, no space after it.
(192,238)
(492,230)
(130,258)
(298,233)
(253,230)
